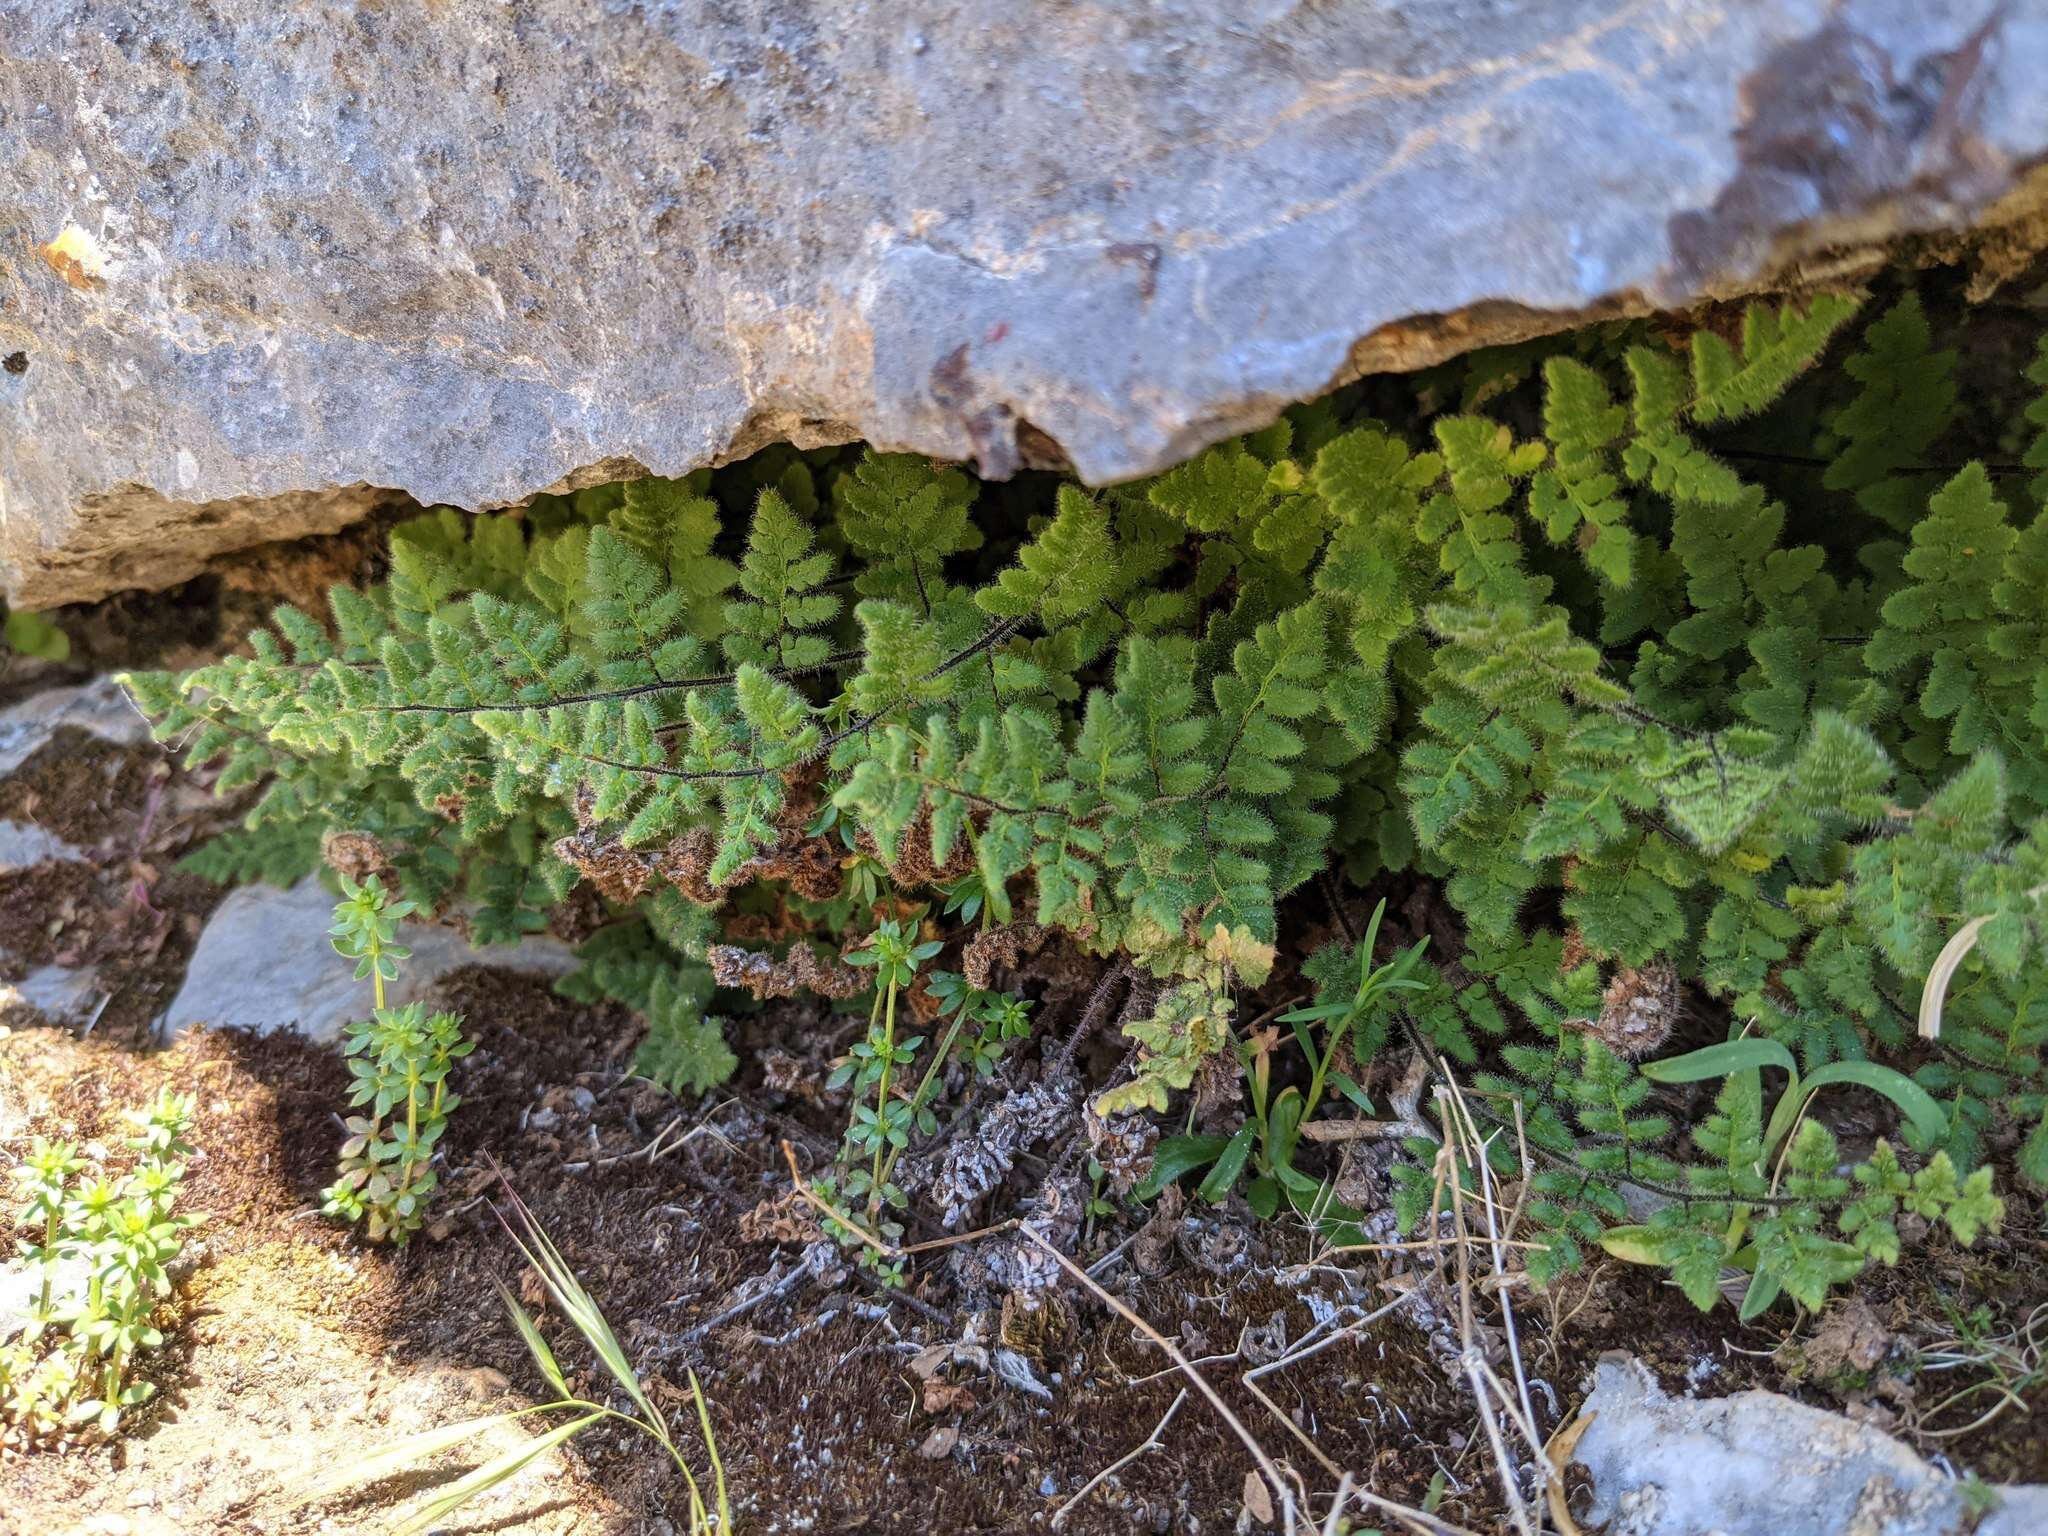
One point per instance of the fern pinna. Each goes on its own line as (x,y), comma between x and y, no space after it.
(1661,723)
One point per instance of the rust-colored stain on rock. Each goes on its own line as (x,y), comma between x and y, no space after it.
(77,258)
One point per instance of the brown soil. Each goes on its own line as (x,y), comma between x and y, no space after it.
(823,1418)
(298,1346)
(124,909)
(278,1363)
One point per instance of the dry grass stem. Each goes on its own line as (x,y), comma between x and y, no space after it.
(886,1249)
(1152,1443)
(1282,1489)
(1465,1146)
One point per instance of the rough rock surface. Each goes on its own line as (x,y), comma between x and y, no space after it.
(101,707)
(1758,1464)
(258,262)
(265,961)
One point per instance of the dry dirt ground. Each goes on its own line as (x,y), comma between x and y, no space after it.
(836,1407)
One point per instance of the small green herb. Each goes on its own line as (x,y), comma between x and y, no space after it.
(400,1059)
(1262,1152)
(104,1246)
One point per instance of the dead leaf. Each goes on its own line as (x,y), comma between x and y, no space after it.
(1258,1498)
(1153,1245)
(926,1362)
(947,1397)
(1559,1454)
(1851,1337)
(664,1391)
(938,1445)
(783,1218)
(532,1289)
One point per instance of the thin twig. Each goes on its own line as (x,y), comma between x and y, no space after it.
(781,1287)
(1152,1443)
(1495,1244)
(886,1249)
(1471,1357)
(1281,1488)
(1304,1351)
(1421,1520)
(1431,1243)
(654,1149)
(1092,1015)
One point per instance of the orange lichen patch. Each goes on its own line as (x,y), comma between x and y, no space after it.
(76,257)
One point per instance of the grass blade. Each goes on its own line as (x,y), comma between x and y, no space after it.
(402,1454)
(535,1344)
(577,1305)
(1719,1061)
(1928,1117)
(711,1450)
(497,1470)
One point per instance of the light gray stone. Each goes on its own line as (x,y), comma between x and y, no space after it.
(58,992)
(259,262)
(1759,1464)
(23,846)
(2020,1512)
(101,707)
(264,960)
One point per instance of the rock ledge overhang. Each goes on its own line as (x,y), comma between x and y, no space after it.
(263,268)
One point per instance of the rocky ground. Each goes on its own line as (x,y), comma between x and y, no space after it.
(947,1405)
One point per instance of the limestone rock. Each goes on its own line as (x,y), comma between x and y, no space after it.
(262,266)
(264,960)
(24,845)
(1760,1464)
(58,992)
(101,707)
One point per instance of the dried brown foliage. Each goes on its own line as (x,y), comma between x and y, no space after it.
(685,864)
(1123,1145)
(801,970)
(783,1218)
(781,1072)
(1006,947)
(357,855)
(620,873)
(914,864)
(1639,1009)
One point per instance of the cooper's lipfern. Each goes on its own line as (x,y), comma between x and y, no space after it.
(1653,720)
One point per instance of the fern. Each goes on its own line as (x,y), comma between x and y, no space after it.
(776,624)
(904,518)
(1777,345)
(1579,495)
(1937,627)
(1648,719)
(2037,418)
(1906,403)
(683,1051)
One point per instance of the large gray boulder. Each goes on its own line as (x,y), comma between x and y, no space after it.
(262,265)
